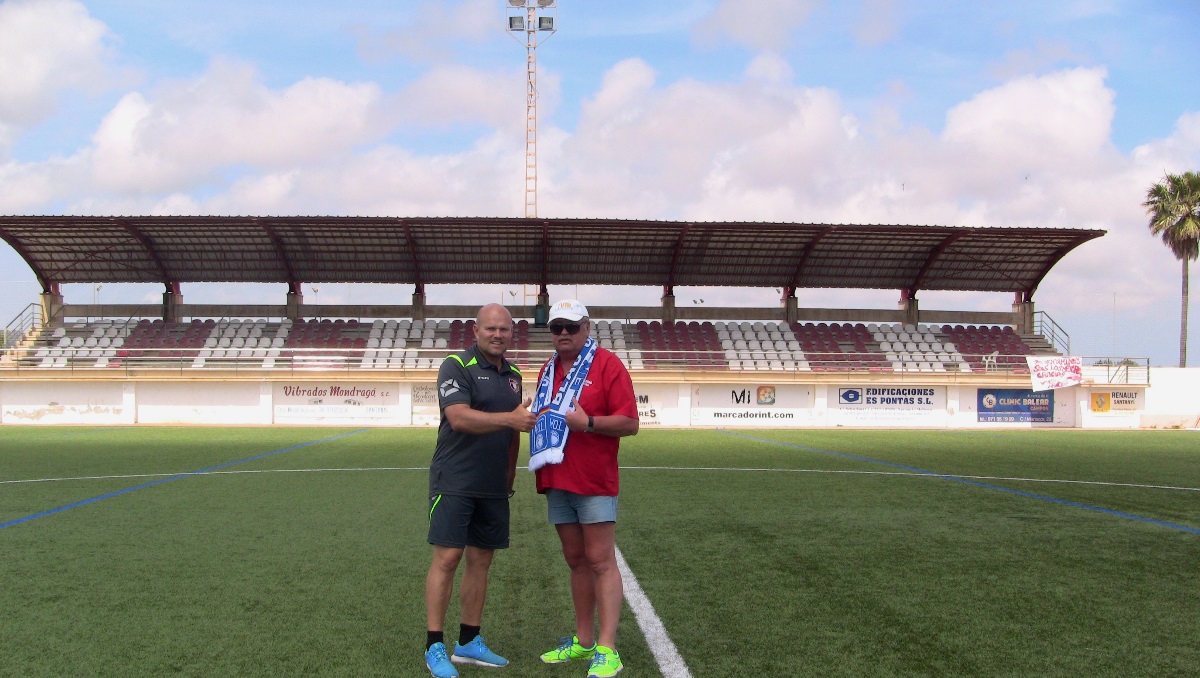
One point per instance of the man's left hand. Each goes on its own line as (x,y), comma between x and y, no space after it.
(577,419)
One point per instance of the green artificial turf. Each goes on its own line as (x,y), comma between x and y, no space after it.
(800,553)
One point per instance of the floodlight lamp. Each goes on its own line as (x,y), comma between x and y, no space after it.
(543,3)
(516,23)
(545,23)
(517,3)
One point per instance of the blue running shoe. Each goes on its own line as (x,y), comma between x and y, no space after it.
(438,663)
(475,652)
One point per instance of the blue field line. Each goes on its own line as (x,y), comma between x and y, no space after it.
(160,481)
(976,483)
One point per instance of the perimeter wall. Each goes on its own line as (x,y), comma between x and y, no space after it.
(757,400)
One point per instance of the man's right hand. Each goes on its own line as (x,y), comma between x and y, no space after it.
(522,419)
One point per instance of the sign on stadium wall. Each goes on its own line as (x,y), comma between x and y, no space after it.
(56,402)
(1117,401)
(888,406)
(425,410)
(752,404)
(1013,405)
(1050,372)
(348,402)
(659,405)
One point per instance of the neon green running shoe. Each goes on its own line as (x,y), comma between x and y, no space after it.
(606,663)
(568,649)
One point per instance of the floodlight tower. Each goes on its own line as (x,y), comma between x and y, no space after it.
(526,19)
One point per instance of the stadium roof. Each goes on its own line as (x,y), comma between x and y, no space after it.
(420,251)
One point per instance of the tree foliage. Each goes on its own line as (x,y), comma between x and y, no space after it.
(1174,208)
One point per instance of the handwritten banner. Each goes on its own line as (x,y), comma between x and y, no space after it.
(1051,372)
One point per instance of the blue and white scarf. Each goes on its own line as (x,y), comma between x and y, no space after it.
(549,435)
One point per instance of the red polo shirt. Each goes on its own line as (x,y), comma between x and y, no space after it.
(589,465)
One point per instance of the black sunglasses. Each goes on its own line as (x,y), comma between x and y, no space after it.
(570,328)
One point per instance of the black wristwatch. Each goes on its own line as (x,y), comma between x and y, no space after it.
(591,427)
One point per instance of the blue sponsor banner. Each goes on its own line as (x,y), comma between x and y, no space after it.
(1012,405)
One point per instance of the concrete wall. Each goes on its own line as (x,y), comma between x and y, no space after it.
(753,401)
(1173,400)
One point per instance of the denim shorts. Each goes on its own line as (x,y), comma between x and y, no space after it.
(564,507)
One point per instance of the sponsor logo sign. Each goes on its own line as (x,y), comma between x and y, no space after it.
(1116,401)
(425,410)
(751,405)
(889,405)
(662,404)
(766,395)
(649,409)
(901,397)
(318,401)
(1010,405)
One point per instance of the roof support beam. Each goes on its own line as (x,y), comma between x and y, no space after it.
(675,255)
(807,254)
(919,278)
(544,268)
(151,251)
(64,249)
(418,277)
(48,285)
(294,283)
(1053,259)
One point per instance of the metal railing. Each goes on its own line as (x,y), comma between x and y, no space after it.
(1109,370)
(1044,325)
(28,321)
(266,361)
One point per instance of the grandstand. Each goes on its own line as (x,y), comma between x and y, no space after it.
(407,344)
(696,366)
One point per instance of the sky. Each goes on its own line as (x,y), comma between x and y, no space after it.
(1024,113)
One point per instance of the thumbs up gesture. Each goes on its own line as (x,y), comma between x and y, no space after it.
(522,418)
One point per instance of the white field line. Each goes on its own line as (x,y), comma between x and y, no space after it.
(906,473)
(219,473)
(629,468)
(670,663)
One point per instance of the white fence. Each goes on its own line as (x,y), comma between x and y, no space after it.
(751,400)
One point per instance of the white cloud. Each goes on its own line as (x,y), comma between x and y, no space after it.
(880,22)
(46,47)
(188,131)
(1043,55)
(757,24)
(432,31)
(447,95)
(1031,152)
(25,188)
(667,148)
(769,68)
(1178,152)
(1055,122)
(388,181)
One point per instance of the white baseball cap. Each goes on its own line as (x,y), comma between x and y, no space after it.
(568,309)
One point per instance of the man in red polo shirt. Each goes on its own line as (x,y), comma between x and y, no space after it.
(581,489)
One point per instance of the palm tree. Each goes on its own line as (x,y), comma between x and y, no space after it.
(1174,207)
